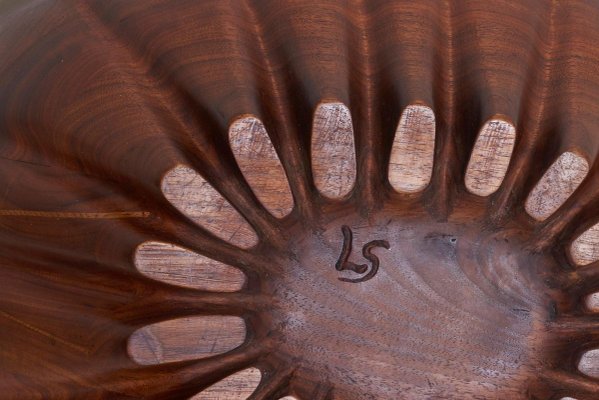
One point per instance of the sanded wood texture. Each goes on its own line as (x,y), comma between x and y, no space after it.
(585,248)
(413,150)
(260,165)
(178,266)
(188,338)
(557,184)
(490,157)
(333,150)
(299,200)
(592,302)
(589,363)
(197,199)
(238,386)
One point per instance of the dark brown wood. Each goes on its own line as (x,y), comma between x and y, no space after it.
(229,199)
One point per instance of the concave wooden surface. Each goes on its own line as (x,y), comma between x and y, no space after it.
(299,199)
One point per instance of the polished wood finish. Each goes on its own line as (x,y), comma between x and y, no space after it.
(320,199)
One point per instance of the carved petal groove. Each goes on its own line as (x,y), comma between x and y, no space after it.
(178,266)
(186,339)
(333,150)
(490,157)
(191,194)
(260,165)
(413,150)
(559,182)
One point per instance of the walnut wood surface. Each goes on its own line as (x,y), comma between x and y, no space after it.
(228,199)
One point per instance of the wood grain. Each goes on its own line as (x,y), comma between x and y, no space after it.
(191,194)
(442,294)
(185,339)
(413,149)
(260,165)
(238,386)
(178,266)
(585,248)
(557,184)
(589,363)
(333,150)
(490,157)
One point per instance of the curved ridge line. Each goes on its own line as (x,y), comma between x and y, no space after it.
(535,113)
(299,181)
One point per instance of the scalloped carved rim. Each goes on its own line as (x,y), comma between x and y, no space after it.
(413,149)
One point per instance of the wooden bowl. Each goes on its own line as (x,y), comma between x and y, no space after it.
(323,200)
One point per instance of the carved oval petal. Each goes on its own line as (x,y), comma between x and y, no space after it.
(592,302)
(178,266)
(191,194)
(260,165)
(238,386)
(585,248)
(413,149)
(490,157)
(589,363)
(186,339)
(333,150)
(557,184)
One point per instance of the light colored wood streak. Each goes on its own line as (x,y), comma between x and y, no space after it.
(589,363)
(557,184)
(333,150)
(490,157)
(413,150)
(288,398)
(186,339)
(189,192)
(75,215)
(260,165)
(178,266)
(238,386)
(592,302)
(585,249)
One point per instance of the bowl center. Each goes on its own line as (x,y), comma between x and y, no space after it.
(390,304)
